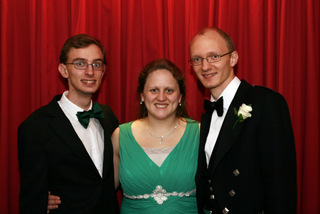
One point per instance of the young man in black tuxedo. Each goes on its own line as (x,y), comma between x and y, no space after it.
(65,146)
(247,159)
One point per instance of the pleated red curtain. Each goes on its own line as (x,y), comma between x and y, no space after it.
(278,44)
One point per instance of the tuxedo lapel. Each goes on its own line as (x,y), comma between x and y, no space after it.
(205,127)
(62,126)
(228,133)
(204,130)
(108,149)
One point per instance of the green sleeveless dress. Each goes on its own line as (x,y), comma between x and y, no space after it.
(148,188)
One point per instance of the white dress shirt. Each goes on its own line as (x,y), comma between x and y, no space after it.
(216,121)
(92,137)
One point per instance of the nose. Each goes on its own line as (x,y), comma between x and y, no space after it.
(161,96)
(205,64)
(89,70)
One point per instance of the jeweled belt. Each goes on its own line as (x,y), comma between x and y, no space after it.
(160,195)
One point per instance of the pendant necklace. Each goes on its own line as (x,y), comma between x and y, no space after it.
(163,136)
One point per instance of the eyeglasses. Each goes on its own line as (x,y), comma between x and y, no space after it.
(97,66)
(213,58)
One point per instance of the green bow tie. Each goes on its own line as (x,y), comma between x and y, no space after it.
(95,112)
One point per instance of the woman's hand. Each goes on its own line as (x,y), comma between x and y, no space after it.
(53,202)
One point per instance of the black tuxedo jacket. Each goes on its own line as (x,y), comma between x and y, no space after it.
(253,165)
(53,158)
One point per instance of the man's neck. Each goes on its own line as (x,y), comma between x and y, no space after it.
(216,92)
(83,102)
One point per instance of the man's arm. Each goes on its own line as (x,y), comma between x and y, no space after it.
(33,172)
(278,157)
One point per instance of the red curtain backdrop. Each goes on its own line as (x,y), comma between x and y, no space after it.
(277,40)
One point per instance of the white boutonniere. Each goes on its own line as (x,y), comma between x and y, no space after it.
(243,113)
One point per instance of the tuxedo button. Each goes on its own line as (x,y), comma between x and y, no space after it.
(209,181)
(232,193)
(236,172)
(211,189)
(211,196)
(225,211)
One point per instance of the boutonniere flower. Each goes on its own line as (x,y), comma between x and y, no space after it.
(243,113)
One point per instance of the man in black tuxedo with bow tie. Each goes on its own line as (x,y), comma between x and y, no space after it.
(247,161)
(65,147)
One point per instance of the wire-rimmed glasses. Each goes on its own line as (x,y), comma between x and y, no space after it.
(81,65)
(212,58)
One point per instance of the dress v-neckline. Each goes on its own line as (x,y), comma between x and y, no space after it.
(169,155)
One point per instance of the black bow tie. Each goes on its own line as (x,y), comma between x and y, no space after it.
(211,106)
(84,116)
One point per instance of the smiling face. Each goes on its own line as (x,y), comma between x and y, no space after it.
(217,75)
(161,94)
(82,83)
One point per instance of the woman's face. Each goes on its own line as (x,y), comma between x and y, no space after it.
(161,94)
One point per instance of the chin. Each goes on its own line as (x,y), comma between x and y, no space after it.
(90,90)
(161,117)
(207,83)
(209,86)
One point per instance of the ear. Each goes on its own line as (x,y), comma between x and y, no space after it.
(180,98)
(142,97)
(63,70)
(104,71)
(234,58)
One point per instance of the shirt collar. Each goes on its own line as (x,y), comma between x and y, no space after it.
(71,108)
(229,92)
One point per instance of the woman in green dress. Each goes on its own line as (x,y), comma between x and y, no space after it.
(157,153)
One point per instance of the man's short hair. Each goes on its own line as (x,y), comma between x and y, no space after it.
(80,41)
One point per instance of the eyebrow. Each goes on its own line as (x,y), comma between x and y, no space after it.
(83,59)
(208,54)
